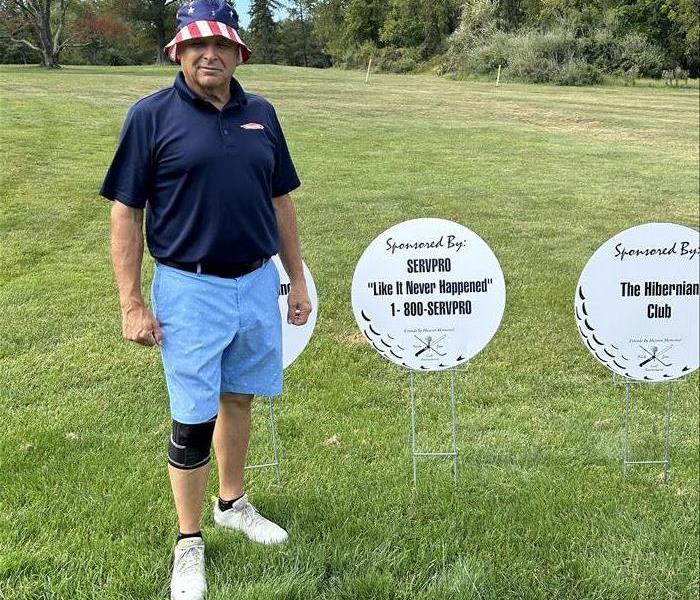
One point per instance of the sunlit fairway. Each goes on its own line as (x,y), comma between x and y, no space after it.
(544,174)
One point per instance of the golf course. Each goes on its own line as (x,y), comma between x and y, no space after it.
(541,509)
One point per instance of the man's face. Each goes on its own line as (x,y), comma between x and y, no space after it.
(208,62)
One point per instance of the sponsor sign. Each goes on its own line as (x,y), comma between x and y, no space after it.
(295,337)
(428,294)
(637,302)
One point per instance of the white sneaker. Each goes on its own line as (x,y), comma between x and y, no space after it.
(242,516)
(188,582)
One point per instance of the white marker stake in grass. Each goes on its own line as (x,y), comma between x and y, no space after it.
(428,294)
(369,66)
(636,302)
(498,76)
(295,337)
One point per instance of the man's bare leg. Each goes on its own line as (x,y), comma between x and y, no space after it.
(189,487)
(231,437)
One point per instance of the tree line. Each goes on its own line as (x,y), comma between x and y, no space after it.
(561,41)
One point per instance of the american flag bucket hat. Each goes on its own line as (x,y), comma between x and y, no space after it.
(206,18)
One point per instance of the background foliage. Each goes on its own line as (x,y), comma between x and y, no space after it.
(558,41)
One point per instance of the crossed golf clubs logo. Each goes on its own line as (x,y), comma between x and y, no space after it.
(430,344)
(654,355)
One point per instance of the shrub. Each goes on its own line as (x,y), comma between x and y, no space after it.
(636,51)
(568,52)
(391,60)
(538,56)
(356,57)
(577,72)
(486,57)
(477,27)
(397,60)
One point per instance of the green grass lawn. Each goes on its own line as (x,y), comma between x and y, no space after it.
(544,174)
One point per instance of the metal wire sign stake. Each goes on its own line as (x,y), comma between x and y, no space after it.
(416,454)
(295,338)
(275,464)
(636,309)
(666,462)
(428,295)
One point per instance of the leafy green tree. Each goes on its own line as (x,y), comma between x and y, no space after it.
(684,16)
(300,13)
(114,39)
(510,14)
(155,17)
(14,53)
(669,24)
(420,23)
(364,19)
(440,18)
(299,47)
(329,26)
(262,29)
(40,26)
(402,26)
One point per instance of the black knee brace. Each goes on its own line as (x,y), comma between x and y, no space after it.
(190,445)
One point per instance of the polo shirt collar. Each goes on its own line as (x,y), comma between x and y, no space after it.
(237,94)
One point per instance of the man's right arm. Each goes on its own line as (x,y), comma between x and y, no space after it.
(138,323)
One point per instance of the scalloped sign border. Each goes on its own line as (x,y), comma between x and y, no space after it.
(428,294)
(636,303)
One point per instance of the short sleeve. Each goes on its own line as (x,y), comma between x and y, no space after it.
(284,176)
(129,176)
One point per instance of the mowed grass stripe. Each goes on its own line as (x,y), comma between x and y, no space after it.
(543,174)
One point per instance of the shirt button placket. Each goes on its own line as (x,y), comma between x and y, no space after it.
(222,126)
(226,132)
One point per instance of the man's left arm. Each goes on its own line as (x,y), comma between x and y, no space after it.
(299,304)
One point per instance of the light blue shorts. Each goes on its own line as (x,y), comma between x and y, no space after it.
(219,335)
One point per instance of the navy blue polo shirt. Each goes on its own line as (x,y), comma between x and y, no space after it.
(206,177)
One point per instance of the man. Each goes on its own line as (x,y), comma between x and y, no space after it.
(210,165)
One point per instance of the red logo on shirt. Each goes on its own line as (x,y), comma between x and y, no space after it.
(252,126)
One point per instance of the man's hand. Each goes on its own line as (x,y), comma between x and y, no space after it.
(299,305)
(290,254)
(138,323)
(140,326)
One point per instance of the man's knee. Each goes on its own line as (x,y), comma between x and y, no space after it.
(190,445)
(236,400)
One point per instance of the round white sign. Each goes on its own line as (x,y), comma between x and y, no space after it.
(428,294)
(636,302)
(295,337)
